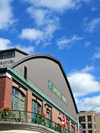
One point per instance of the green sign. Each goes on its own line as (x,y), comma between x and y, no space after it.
(57,92)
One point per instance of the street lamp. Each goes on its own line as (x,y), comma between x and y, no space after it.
(85,115)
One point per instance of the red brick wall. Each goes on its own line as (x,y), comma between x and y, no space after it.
(5,101)
(5,92)
(28,101)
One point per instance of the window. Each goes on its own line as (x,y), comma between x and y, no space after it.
(5,55)
(18,100)
(89,125)
(84,126)
(72,129)
(89,131)
(66,125)
(84,132)
(36,108)
(81,119)
(48,114)
(89,118)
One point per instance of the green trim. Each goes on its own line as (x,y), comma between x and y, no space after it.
(19,78)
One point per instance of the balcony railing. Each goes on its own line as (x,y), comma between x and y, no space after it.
(30,117)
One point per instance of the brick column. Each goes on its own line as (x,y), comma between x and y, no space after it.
(5,92)
(75,129)
(69,125)
(28,103)
(44,107)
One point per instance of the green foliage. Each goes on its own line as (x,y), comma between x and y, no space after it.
(41,118)
(5,112)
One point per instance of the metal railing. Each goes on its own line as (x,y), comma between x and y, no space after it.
(30,117)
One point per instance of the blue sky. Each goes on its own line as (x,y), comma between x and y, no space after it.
(68,30)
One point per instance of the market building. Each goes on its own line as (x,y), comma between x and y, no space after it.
(38,84)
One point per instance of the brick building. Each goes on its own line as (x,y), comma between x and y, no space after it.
(36,83)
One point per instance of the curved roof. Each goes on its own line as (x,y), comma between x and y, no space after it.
(29,57)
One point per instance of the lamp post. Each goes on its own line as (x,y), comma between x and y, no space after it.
(85,115)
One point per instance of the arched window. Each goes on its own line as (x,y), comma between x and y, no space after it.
(36,108)
(18,100)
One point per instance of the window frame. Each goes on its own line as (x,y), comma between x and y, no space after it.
(37,107)
(89,125)
(89,117)
(20,97)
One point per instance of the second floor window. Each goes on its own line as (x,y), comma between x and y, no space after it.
(72,129)
(36,108)
(18,99)
(89,125)
(84,126)
(81,119)
(89,118)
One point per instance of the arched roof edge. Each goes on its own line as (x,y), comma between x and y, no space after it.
(29,57)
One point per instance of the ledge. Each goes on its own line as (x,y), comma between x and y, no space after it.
(20,127)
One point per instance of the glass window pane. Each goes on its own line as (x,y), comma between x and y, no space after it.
(72,129)
(84,126)
(39,111)
(12,106)
(12,90)
(67,125)
(35,104)
(21,105)
(16,93)
(36,108)
(16,103)
(18,100)
(89,118)
(22,97)
(89,125)
(81,119)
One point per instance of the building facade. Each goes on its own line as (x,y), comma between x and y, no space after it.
(36,83)
(90,121)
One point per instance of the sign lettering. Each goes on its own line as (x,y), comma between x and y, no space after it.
(57,92)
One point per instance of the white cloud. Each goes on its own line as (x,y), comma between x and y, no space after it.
(44,35)
(94,9)
(57,5)
(87,44)
(45,21)
(83,83)
(96,54)
(38,15)
(89,103)
(87,69)
(6,14)
(4,43)
(93,25)
(64,42)
(31,34)
(49,30)
(27,49)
